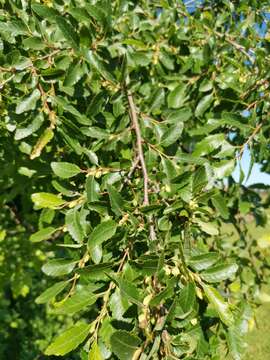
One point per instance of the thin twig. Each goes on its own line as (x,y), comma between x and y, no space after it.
(230,41)
(133,167)
(250,138)
(226,37)
(135,123)
(136,126)
(106,298)
(6,81)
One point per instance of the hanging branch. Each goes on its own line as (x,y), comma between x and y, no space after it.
(136,126)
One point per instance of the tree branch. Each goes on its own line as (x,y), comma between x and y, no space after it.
(135,123)
(139,140)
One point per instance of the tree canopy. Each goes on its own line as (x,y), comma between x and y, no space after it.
(121,124)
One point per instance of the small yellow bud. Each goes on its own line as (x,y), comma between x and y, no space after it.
(147,300)
(175,271)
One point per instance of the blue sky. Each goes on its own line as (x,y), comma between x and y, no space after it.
(256,175)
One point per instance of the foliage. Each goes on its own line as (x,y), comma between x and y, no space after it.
(121,124)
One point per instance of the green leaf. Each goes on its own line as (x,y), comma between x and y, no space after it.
(236,343)
(33,43)
(77,302)
(95,132)
(68,340)
(81,118)
(199,181)
(141,58)
(203,105)
(148,209)
(45,11)
(58,267)
(124,344)
(65,170)
(73,225)
(28,103)
(187,298)
(43,140)
(92,189)
(162,295)
(219,273)
(203,261)
(219,304)
(209,228)
(146,265)
(182,115)
(67,31)
(172,134)
(102,232)
(97,12)
(220,205)
(51,292)
(22,133)
(128,290)
(74,74)
(213,143)
(95,353)
(43,234)
(97,271)
(47,200)
(96,254)
(157,100)
(116,200)
(98,64)
(176,98)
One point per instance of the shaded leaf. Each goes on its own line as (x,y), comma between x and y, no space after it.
(67,31)
(220,205)
(124,344)
(128,290)
(45,11)
(116,200)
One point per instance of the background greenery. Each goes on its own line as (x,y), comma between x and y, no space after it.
(123,234)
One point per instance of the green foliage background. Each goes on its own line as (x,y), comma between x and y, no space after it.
(122,231)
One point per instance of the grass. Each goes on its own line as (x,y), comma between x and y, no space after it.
(258,339)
